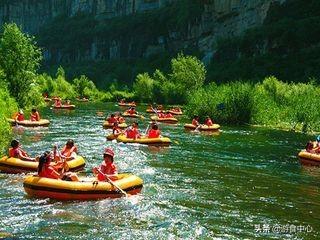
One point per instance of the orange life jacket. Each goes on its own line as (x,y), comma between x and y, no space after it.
(68,151)
(195,122)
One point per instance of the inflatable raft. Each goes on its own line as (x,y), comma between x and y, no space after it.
(214,127)
(151,111)
(108,125)
(164,120)
(127,104)
(85,189)
(175,112)
(111,137)
(69,107)
(307,158)
(125,114)
(28,123)
(162,141)
(16,165)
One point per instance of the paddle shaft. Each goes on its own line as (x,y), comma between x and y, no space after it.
(112,183)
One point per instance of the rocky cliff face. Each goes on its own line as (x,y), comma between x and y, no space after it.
(220,18)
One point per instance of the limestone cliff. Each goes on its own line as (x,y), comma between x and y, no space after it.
(220,18)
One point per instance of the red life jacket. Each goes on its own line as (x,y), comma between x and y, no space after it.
(153,133)
(132,133)
(20,117)
(209,122)
(48,172)
(35,117)
(195,122)
(112,120)
(107,169)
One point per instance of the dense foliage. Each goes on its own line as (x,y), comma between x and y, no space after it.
(187,74)
(286,46)
(270,103)
(19,60)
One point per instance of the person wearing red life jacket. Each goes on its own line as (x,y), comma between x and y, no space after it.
(116,130)
(119,118)
(35,116)
(161,115)
(132,131)
(112,119)
(107,168)
(208,121)
(68,152)
(57,102)
(132,111)
(19,116)
(195,121)
(17,152)
(168,115)
(46,170)
(154,132)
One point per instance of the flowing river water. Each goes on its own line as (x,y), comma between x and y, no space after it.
(245,183)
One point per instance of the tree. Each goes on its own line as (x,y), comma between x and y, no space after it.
(19,59)
(143,87)
(82,85)
(187,71)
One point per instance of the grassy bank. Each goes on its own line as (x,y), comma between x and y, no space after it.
(270,103)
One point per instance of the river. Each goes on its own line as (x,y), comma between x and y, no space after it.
(245,183)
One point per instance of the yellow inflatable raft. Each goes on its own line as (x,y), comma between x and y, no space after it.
(175,112)
(108,125)
(214,127)
(162,141)
(164,120)
(16,165)
(127,104)
(85,189)
(28,123)
(68,107)
(309,158)
(125,114)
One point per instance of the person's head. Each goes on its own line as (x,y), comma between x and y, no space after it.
(70,143)
(207,117)
(112,115)
(33,110)
(196,117)
(309,145)
(135,124)
(108,155)
(155,127)
(15,143)
(44,159)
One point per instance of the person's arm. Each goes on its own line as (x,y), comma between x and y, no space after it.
(24,156)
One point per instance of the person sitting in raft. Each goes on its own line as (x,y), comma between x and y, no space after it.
(161,115)
(154,132)
(57,102)
(132,111)
(133,132)
(107,170)
(116,130)
(19,116)
(168,115)
(112,119)
(68,152)
(35,116)
(122,100)
(208,121)
(310,147)
(48,171)
(133,103)
(195,121)
(119,118)
(17,152)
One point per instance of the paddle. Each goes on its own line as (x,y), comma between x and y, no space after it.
(55,151)
(112,183)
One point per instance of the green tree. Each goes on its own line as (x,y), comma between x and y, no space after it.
(82,85)
(143,87)
(19,59)
(187,71)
